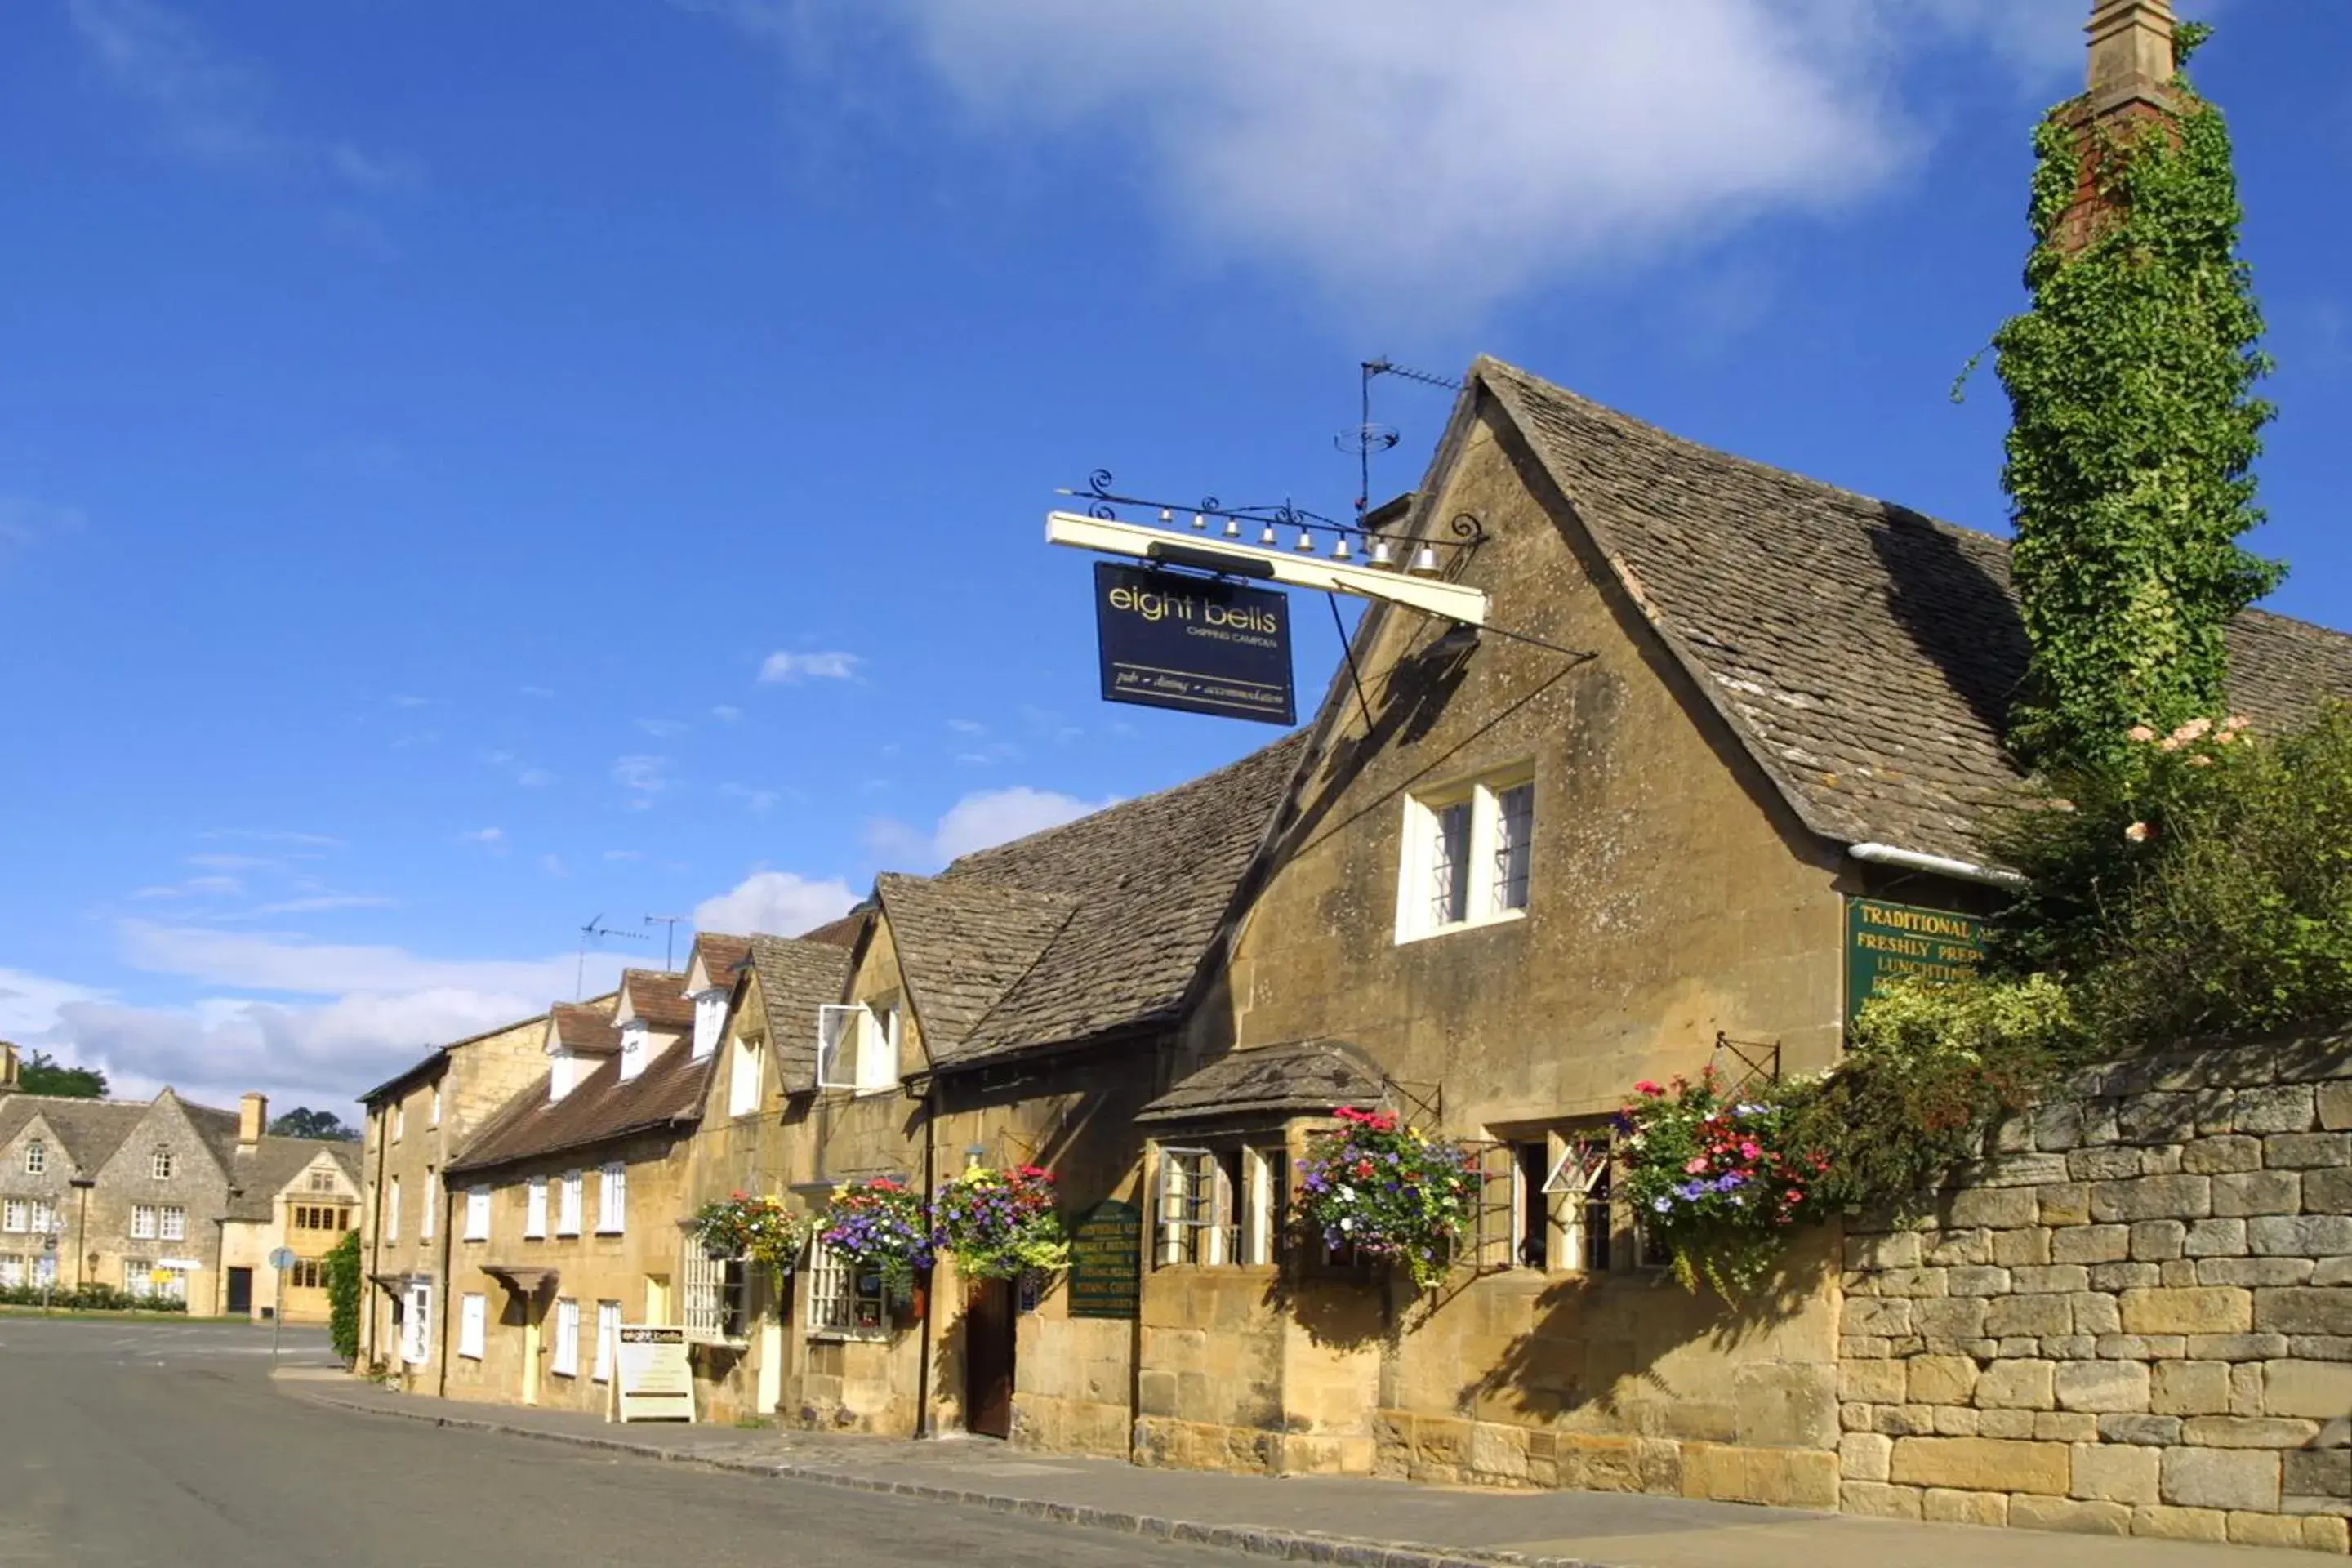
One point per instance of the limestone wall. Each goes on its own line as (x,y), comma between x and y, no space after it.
(2135,1319)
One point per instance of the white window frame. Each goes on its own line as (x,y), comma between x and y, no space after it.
(477,1214)
(1584,1176)
(173,1223)
(568,1205)
(137,1279)
(160,1164)
(1417,917)
(399,1121)
(36,1157)
(1184,1219)
(417,1324)
(323,1181)
(392,1210)
(608,1340)
(637,1044)
(858,1046)
(433,1115)
(44,1218)
(142,1221)
(745,1073)
(710,1021)
(12,1269)
(845,1302)
(534,1209)
(45,1269)
(715,1298)
(565,1361)
(16,1217)
(613,1199)
(473,1325)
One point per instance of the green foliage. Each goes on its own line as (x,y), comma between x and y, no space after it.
(42,1073)
(2134,431)
(90,1298)
(1388,1192)
(1715,1178)
(760,1230)
(304,1122)
(2200,885)
(343,1297)
(1002,1225)
(1927,1070)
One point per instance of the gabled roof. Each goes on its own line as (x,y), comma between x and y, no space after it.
(261,1173)
(434,1059)
(842,932)
(584,1027)
(1864,655)
(658,998)
(599,1110)
(1148,881)
(89,1131)
(797,978)
(963,943)
(717,957)
(1300,1078)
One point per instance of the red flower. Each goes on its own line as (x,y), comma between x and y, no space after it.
(1646,1087)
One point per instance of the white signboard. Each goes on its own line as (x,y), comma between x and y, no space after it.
(654,1381)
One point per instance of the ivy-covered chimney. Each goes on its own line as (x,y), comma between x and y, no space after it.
(2129,91)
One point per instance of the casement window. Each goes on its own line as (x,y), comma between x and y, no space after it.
(744,1072)
(139,1276)
(322,1181)
(36,1157)
(709,1019)
(473,1326)
(142,1221)
(45,1217)
(1548,1202)
(320,1216)
(307,1274)
(567,1214)
(612,1199)
(1226,1204)
(392,1210)
(15,1215)
(399,1122)
(159,1165)
(844,1300)
(857,1048)
(12,1269)
(477,1214)
(433,1115)
(534,1208)
(425,1226)
(717,1297)
(608,1340)
(416,1323)
(45,1269)
(1468,856)
(174,1223)
(566,1359)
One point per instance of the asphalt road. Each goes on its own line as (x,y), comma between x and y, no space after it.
(135,1443)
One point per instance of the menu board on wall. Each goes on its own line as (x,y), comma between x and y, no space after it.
(1106,1261)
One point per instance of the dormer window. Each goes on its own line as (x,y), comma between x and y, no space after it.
(36,1157)
(636,1049)
(562,1074)
(709,1019)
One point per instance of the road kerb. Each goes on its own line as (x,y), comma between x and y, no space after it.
(1255,1541)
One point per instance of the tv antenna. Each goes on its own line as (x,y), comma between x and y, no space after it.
(597,928)
(1368,438)
(670,936)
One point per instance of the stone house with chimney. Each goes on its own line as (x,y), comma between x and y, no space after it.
(563,1211)
(301,1193)
(415,1124)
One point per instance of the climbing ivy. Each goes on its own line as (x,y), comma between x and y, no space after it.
(2134,429)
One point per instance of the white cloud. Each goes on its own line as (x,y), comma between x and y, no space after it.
(319,903)
(208,105)
(756,800)
(553,866)
(624,854)
(726,713)
(401,700)
(254,960)
(661,728)
(997,816)
(1389,149)
(791,668)
(778,902)
(538,691)
(276,836)
(644,778)
(492,837)
(24,519)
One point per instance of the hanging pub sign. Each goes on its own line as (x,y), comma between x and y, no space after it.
(1884,940)
(1199,644)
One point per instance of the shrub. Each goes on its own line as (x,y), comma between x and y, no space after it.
(343,1297)
(89,1298)
(1001,1223)
(1715,1178)
(1388,1192)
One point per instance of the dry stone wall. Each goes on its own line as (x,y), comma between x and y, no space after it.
(2135,1318)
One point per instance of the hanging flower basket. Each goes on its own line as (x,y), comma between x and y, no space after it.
(1391,1193)
(1714,1178)
(758,1230)
(879,1226)
(1001,1224)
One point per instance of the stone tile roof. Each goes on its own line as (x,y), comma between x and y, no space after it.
(721,956)
(1301,1078)
(89,1131)
(842,932)
(261,1174)
(660,999)
(599,1110)
(1865,655)
(797,978)
(587,1025)
(1148,882)
(434,1058)
(963,943)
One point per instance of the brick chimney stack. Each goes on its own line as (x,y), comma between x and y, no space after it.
(2130,90)
(252,1118)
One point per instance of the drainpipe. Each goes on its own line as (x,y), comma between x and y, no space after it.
(1937,865)
(441,1294)
(368,1286)
(931,1311)
(81,1230)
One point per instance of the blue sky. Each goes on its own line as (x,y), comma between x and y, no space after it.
(467,468)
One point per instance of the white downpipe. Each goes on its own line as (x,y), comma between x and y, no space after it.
(1942,866)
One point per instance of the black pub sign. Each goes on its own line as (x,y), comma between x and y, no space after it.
(1199,644)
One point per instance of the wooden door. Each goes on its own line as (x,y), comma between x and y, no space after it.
(988,1332)
(240,1291)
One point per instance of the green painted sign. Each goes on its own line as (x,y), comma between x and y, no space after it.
(1884,940)
(1106,1261)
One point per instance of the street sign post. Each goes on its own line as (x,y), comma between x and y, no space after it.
(281,1261)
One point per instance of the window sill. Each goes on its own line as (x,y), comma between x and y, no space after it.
(848,1336)
(1508,917)
(610,1230)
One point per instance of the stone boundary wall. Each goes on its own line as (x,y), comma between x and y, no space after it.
(2135,1318)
